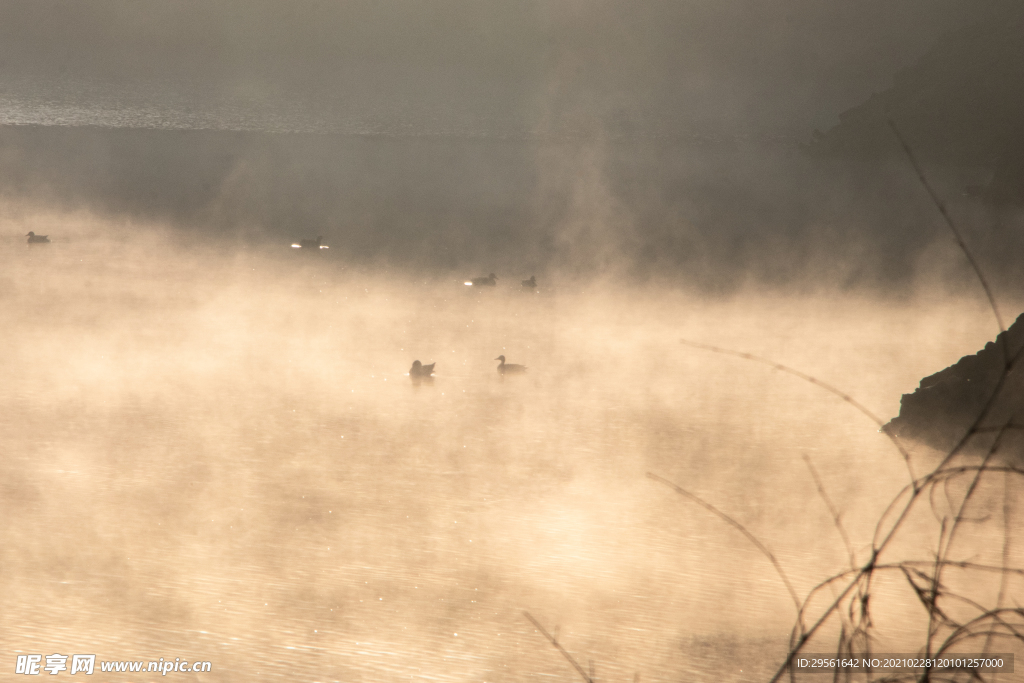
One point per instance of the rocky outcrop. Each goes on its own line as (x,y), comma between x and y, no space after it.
(945,406)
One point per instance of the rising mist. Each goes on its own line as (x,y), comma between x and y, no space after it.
(211,445)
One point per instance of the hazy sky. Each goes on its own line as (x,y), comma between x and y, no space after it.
(786,65)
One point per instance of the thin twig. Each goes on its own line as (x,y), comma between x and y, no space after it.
(1004,578)
(816,382)
(832,510)
(742,529)
(558,646)
(975,481)
(956,233)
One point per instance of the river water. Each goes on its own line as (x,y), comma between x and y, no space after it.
(218,455)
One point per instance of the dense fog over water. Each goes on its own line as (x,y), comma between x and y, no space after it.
(222,456)
(211,447)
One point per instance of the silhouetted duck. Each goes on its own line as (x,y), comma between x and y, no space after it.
(37,239)
(310,244)
(488,281)
(509,368)
(531,283)
(419,371)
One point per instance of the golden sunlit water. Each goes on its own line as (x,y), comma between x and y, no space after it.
(218,454)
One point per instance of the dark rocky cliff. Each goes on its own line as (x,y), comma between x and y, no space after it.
(946,404)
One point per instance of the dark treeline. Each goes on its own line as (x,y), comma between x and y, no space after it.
(582,137)
(960,104)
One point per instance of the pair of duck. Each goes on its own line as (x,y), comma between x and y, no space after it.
(310,244)
(421,371)
(491,281)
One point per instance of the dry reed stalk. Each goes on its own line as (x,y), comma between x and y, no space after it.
(852,589)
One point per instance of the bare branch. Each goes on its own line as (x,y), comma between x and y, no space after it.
(816,382)
(743,530)
(558,646)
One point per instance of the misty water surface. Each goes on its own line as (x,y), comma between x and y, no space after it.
(216,453)
(210,449)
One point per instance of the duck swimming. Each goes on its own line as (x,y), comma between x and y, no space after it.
(531,283)
(509,368)
(488,281)
(419,370)
(37,239)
